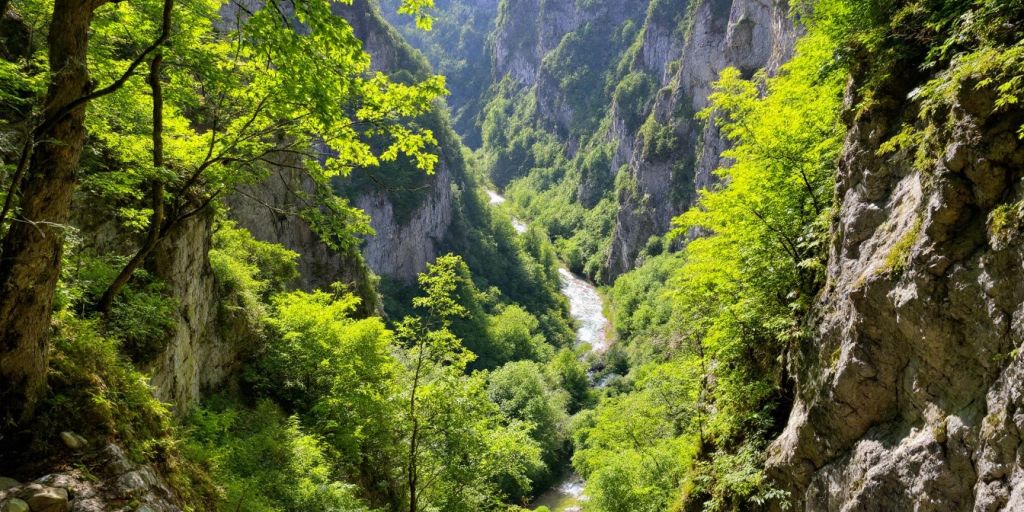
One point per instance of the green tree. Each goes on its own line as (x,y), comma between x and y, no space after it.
(515,335)
(521,392)
(458,443)
(227,105)
(571,375)
(336,371)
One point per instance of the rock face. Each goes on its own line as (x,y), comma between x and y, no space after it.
(202,349)
(403,244)
(664,177)
(402,249)
(200,354)
(911,395)
(112,483)
(527,30)
(267,211)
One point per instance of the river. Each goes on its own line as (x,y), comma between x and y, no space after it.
(497,199)
(586,307)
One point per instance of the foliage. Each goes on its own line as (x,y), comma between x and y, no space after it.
(516,333)
(522,392)
(265,461)
(248,271)
(633,449)
(570,374)
(337,371)
(457,47)
(688,425)
(641,308)
(143,315)
(631,96)
(460,447)
(95,391)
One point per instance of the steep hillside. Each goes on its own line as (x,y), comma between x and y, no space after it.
(457,47)
(249,262)
(674,154)
(216,298)
(594,112)
(906,395)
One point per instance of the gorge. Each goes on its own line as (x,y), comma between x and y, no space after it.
(507,255)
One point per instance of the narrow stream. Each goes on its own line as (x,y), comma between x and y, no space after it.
(497,199)
(587,308)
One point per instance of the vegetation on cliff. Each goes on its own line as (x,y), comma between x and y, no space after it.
(128,127)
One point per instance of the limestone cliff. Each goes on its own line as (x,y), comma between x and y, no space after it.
(674,154)
(405,240)
(527,30)
(910,395)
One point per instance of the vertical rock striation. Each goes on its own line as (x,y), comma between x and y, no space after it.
(674,154)
(910,395)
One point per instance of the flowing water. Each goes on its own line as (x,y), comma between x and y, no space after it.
(567,496)
(587,308)
(497,199)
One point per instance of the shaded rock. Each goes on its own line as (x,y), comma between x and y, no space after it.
(15,505)
(7,483)
(43,498)
(138,481)
(73,440)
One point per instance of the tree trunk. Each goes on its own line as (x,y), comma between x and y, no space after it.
(31,259)
(156,191)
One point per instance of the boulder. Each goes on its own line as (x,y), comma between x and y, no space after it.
(73,440)
(42,498)
(15,505)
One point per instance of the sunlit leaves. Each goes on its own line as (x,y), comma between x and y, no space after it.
(246,91)
(418,9)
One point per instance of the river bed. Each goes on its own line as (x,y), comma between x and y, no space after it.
(497,199)
(586,307)
(567,496)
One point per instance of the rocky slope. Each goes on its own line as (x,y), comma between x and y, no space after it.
(618,87)
(403,243)
(676,154)
(909,396)
(205,347)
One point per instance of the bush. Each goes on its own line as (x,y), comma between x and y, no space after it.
(141,316)
(265,461)
(335,370)
(631,96)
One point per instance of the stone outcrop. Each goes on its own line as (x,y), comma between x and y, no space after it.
(747,34)
(200,354)
(402,246)
(527,30)
(910,396)
(402,249)
(106,481)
